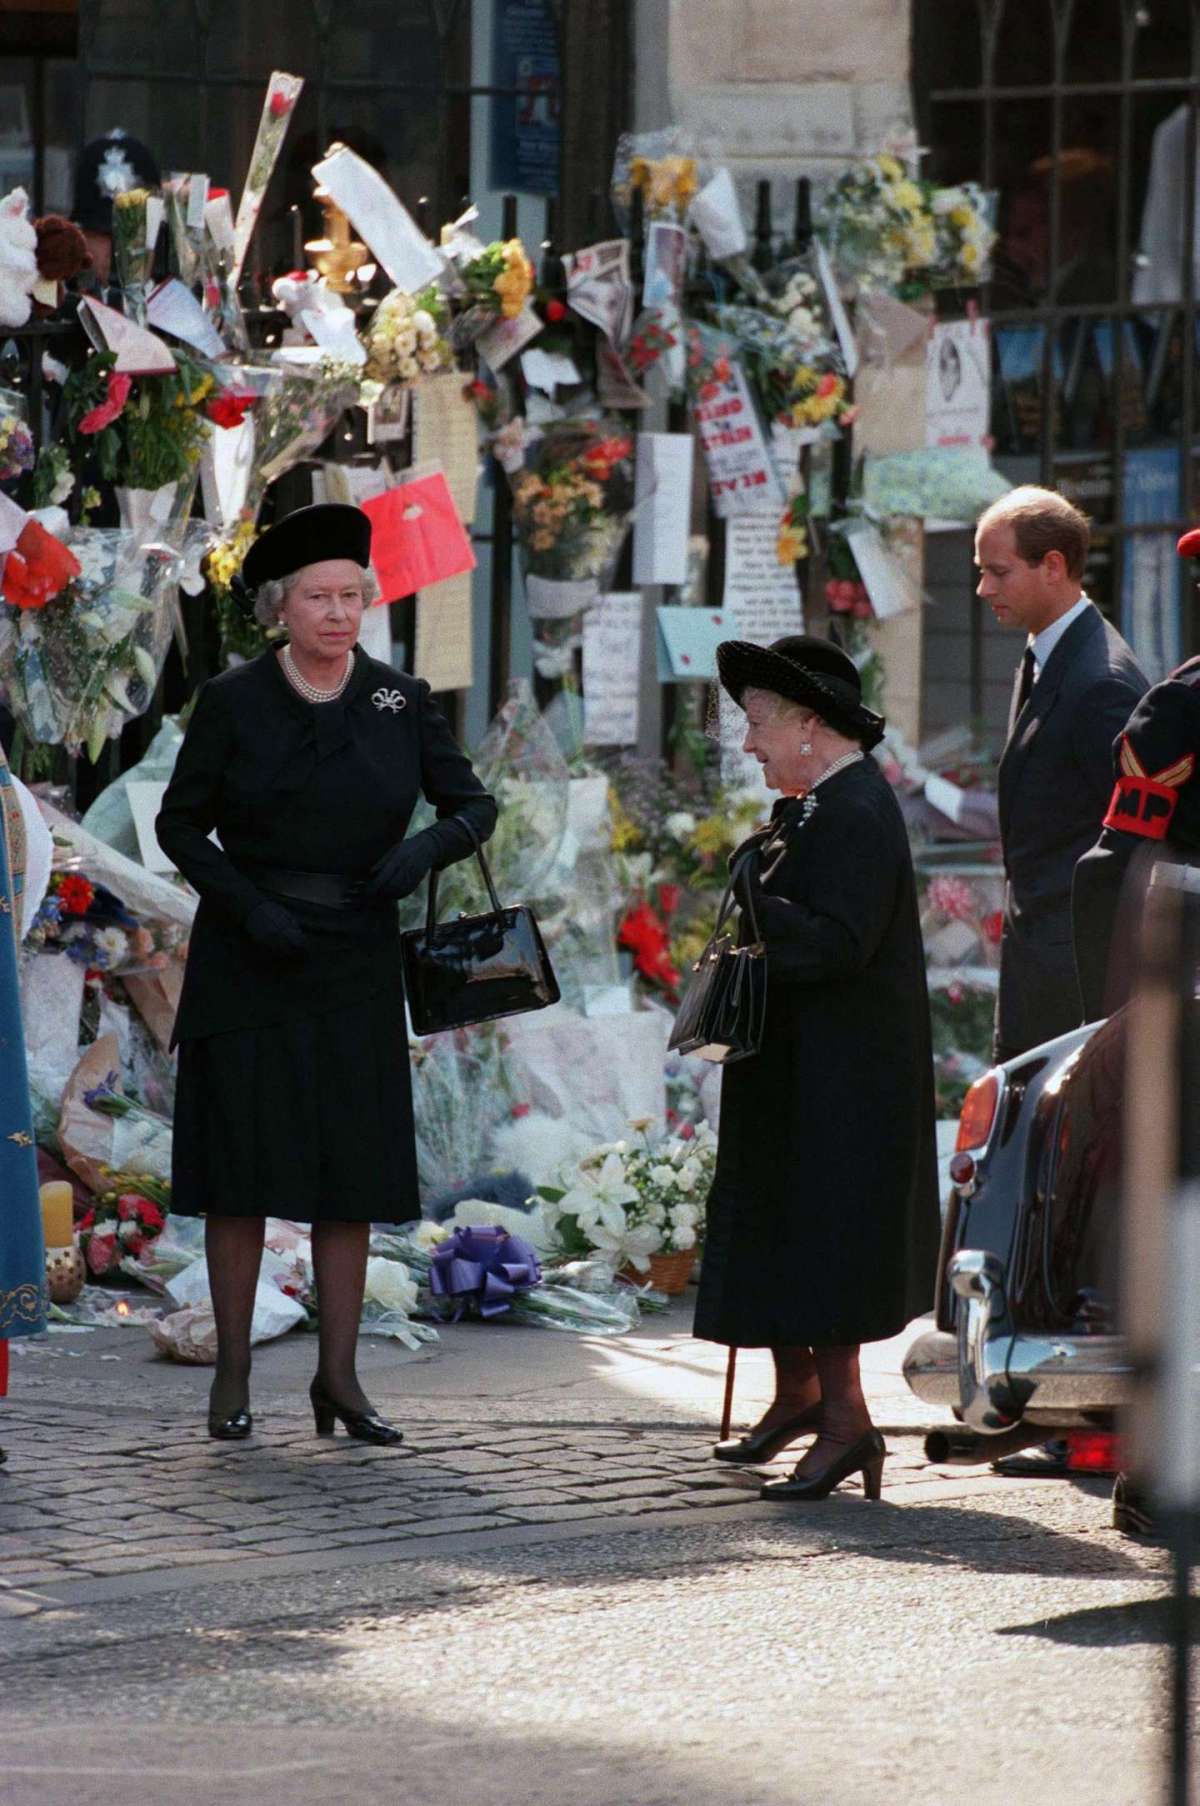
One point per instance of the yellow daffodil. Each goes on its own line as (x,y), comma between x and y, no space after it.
(791,545)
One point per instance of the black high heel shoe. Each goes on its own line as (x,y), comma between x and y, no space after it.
(866,1456)
(760,1445)
(231,1429)
(364,1426)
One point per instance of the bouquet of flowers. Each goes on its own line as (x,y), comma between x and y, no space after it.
(500,279)
(886,229)
(661,167)
(965,235)
(799,379)
(133,248)
(283,91)
(628,1203)
(572,503)
(76,668)
(16,442)
(300,407)
(146,432)
(86,921)
(119,1227)
(406,337)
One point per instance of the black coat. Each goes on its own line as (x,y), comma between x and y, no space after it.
(314,789)
(1154,815)
(823,1215)
(1054,784)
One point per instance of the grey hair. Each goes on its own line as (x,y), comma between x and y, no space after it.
(783,708)
(270,596)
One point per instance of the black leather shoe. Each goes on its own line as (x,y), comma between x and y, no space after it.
(364,1426)
(760,1445)
(866,1456)
(231,1429)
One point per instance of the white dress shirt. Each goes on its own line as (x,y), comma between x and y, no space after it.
(1043,643)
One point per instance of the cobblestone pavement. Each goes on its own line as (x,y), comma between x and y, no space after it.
(87,1499)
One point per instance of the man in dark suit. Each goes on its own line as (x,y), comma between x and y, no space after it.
(1076,686)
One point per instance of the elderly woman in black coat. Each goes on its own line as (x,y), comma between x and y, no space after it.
(294,1097)
(823,1215)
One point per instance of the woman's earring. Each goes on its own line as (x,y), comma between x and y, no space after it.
(805,749)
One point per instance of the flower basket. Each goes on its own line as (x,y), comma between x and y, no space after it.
(667,1273)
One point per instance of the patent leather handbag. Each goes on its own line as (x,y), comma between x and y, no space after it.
(725,1005)
(478,967)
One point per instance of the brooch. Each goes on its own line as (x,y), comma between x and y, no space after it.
(389,699)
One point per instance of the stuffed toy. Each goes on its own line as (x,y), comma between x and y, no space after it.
(18,259)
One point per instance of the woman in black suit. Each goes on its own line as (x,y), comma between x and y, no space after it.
(823,1215)
(294,1096)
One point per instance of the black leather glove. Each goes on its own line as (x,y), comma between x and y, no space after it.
(402,868)
(276,930)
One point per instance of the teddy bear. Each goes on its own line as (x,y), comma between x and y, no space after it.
(18,259)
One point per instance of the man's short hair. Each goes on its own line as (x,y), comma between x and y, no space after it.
(1042,521)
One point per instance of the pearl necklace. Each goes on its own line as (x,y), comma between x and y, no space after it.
(310,692)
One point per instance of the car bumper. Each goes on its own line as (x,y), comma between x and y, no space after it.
(1057,1381)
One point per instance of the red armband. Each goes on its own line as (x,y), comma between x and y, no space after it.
(1140,806)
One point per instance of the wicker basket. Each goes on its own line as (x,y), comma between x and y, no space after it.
(667,1273)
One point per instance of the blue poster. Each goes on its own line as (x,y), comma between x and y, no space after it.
(1152,585)
(525,131)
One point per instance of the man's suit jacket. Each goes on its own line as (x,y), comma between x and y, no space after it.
(1054,785)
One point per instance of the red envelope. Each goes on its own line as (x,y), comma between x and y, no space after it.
(417,538)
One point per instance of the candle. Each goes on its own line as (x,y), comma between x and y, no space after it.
(58,1216)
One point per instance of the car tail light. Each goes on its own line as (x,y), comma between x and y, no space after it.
(1093,1452)
(978,1112)
(962,1172)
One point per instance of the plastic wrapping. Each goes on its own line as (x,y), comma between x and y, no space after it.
(664,168)
(75,671)
(572,505)
(110,818)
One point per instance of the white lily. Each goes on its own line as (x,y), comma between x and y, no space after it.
(600,1194)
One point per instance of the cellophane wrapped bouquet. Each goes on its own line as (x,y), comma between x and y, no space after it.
(572,503)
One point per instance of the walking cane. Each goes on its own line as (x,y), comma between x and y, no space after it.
(727,1407)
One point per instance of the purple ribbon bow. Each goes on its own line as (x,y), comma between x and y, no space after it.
(484,1267)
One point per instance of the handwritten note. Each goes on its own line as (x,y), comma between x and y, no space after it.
(741,471)
(687,642)
(445,641)
(447,436)
(612,657)
(663,503)
(762,597)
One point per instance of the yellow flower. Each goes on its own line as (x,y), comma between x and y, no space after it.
(624,836)
(712,836)
(961,216)
(968,256)
(891,166)
(184,400)
(132,197)
(791,545)
(906,194)
(515,281)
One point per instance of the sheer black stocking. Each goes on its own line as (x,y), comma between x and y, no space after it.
(844,1412)
(796,1386)
(340,1265)
(233,1247)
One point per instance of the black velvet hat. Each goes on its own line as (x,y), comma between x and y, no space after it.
(324,530)
(805,669)
(109,166)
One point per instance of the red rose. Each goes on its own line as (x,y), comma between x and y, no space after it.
(993,927)
(75,894)
(687,1131)
(86,1220)
(519,1110)
(668,898)
(127,1206)
(38,568)
(279,104)
(134,1245)
(152,1216)
(228,408)
(645,935)
(555,311)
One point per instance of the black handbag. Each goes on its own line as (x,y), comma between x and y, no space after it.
(723,1010)
(478,967)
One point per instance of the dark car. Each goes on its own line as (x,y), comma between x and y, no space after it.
(1026,1344)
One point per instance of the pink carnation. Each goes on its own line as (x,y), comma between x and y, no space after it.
(111,408)
(102,1253)
(952,897)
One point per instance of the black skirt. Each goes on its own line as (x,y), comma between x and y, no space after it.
(309,1119)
